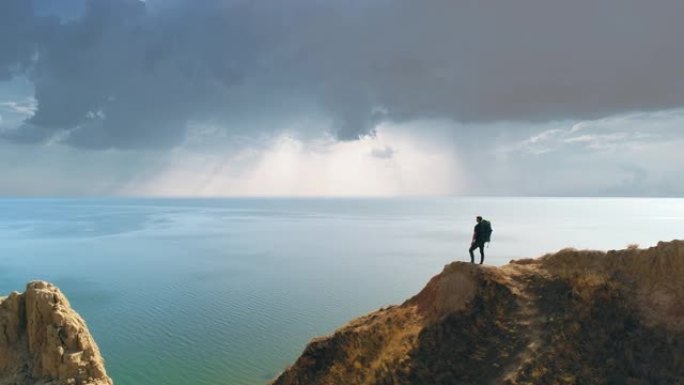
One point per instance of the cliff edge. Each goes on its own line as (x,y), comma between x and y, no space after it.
(44,342)
(573,317)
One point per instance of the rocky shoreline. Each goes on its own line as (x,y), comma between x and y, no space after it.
(45,342)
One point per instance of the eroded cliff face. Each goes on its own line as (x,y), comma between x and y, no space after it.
(44,342)
(574,317)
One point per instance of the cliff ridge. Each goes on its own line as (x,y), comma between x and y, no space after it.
(573,317)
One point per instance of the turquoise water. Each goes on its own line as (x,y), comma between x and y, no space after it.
(180,291)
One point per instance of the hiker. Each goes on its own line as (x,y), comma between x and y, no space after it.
(481,235)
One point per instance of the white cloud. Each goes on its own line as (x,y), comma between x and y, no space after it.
(610,134)
(291,167)
(13,112)
(635,154)
(22,107)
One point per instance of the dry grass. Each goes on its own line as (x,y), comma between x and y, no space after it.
(573,317)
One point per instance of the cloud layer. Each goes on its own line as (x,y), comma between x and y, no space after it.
(132,74)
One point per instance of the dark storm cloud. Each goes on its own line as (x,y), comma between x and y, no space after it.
(121,76)
(17,36)
(132,74)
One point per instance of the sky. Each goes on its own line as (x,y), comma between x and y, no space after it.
(341,98)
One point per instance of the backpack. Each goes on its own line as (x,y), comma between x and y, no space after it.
(487,230)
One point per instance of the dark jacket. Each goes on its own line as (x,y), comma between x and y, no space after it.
(482,232)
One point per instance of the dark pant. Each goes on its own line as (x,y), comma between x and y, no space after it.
(476,245)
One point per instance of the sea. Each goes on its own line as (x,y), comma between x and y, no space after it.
(229,291)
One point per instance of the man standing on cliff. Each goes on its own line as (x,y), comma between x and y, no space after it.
(481,235)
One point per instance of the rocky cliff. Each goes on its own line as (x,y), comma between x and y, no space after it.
(44,342)
(574,317)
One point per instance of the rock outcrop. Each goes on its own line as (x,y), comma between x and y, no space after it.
(44,342)
(574,317)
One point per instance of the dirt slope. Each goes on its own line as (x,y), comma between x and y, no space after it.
(574,317)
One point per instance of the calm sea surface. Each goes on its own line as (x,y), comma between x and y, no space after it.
(229,291)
